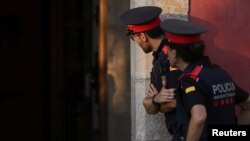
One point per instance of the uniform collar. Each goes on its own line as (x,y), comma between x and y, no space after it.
(204,61)
(159,49)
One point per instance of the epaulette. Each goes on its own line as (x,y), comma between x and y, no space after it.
(193,75)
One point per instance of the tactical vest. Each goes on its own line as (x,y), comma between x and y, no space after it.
(218,90)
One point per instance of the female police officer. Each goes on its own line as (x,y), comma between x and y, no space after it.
(206,93)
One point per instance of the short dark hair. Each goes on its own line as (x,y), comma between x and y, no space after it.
(155,32)
(152,33)
(189,52)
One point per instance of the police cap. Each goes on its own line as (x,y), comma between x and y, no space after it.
(182,32)
(141,19)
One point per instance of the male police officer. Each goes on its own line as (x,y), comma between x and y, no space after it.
(206,94)
(143,28)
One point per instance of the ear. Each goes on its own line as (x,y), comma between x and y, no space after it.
(173,51)
(143,36)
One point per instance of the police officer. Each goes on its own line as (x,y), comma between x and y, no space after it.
(143,24)
(206,93)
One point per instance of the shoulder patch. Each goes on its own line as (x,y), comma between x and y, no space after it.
(190,89)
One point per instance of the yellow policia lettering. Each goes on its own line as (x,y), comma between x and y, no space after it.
(189,89)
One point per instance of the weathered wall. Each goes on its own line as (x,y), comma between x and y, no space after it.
(119,121)
(227,37)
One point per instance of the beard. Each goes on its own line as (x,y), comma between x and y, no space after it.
(147,51)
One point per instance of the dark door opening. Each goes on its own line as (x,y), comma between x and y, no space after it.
(73,70)
(48,65)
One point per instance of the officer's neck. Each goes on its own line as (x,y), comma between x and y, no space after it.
(155,43)
(182,65)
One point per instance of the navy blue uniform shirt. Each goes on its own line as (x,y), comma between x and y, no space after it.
(214,89)
(161,67)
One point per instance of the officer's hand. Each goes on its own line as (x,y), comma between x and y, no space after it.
(165,95)
(151,91)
